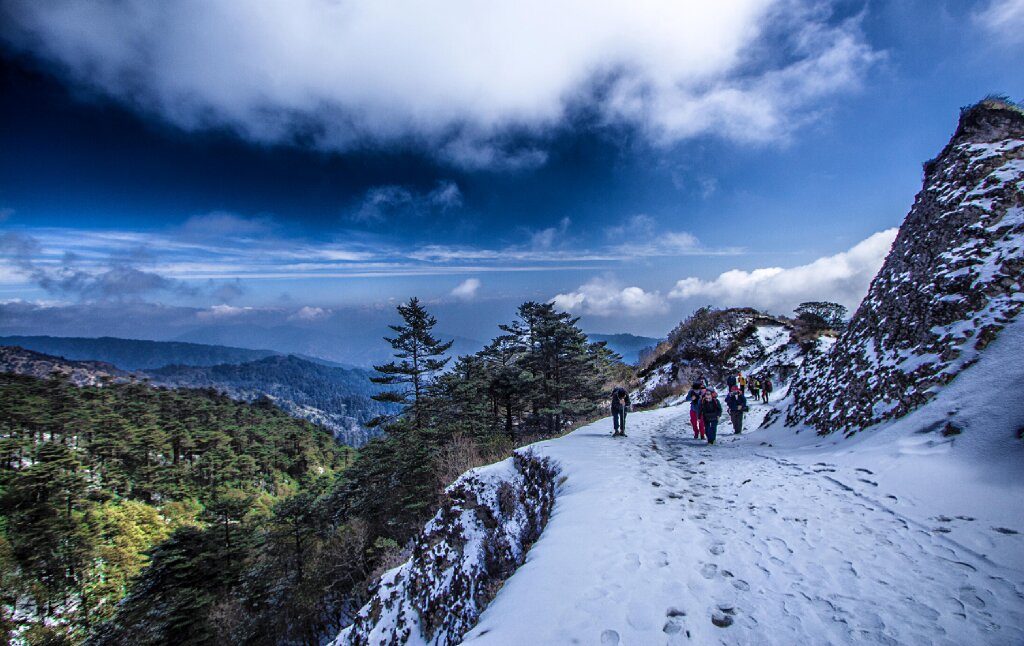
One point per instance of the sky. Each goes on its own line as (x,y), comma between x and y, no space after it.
(191,169)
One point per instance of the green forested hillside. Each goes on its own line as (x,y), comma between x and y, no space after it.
(91,478)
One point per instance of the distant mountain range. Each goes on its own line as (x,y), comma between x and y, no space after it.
(357,346)
(628,346)
(134,354)
(336,397)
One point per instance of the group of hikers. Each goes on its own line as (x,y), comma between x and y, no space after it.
(760,386)
(705,409)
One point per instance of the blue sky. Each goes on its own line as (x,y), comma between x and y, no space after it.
(312,162)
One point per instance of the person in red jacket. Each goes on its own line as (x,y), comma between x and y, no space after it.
(694,397)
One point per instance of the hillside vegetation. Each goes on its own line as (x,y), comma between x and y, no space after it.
(92,478)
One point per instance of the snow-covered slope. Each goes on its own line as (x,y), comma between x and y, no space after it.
(490,518)
(955,464)
(952,281)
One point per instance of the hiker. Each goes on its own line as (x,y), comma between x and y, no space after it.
(730,382)
(694,397)
(620,404)
(755,386)
(766,389)
(710,411)
(741,382)
(737,405)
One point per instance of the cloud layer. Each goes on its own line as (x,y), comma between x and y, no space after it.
(842,278)
(606,297)
(474,82)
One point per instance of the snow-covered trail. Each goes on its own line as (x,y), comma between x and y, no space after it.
(661,539)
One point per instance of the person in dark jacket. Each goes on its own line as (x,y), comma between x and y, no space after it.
(710,411)
(766,389)
(730,381)
(755,387)
(737,405)
(694,397)
(620,405)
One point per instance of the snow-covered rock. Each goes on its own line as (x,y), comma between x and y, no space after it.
(951,283)
(721,342)
(489,519)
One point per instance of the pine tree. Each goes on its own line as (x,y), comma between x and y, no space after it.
(421,356)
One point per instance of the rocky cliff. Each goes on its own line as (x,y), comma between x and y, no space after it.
(952,281)
(490,518)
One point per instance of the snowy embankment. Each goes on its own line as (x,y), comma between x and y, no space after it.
(478,538)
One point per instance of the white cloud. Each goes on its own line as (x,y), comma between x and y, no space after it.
(222,312)
(1003,19)
(309,313)
(467,289)
(606,297)
(843,278)
(458,77)
(546,238)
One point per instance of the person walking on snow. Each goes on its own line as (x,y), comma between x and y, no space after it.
(694,397)
(766,389)
(737,405)
(741,382)
(710,411)
(620,404)
(730,382)
(755,386)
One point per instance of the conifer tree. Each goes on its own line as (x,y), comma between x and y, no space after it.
(420,357)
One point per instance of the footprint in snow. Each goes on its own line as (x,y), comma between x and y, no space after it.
(610,638)
(717,549)
(870,473)
(721,619)
(709,570)
(1006,530)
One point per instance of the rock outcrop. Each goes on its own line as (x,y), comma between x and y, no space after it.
(953,280)
(490,518)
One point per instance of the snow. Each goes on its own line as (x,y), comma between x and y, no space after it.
(655,535)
